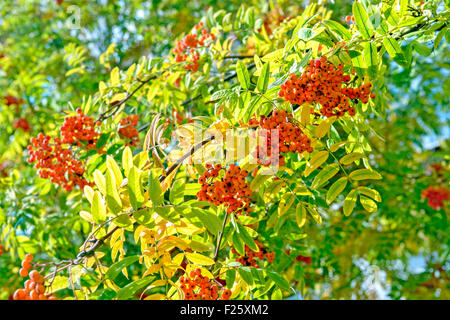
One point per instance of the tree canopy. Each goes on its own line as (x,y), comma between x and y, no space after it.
(219,150)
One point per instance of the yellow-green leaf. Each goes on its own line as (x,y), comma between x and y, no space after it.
(112,195)
(286,202)
(319,158)
(323,128)
(374,194)
(99,180)
(300,215)
(98,210)
(364,174)
(349,158)
(112,165)
(368,204)
(135,188)
(336,188)
(127,160)
(199,259)
(349,202)
(324,175)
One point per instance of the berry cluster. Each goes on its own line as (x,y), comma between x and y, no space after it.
(79,130)
(2,249)
(186,48)
(349,19)
(56,162)
(128,129)
(198,287)
(249,259)
(322,83)
(291,138)
(21,123)
(300,258)
(34,288)
(11,100)
(436,196)
(3,167)
(231,189)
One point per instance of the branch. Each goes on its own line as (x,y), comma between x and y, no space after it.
(184,157)
(105,115)
(219,240)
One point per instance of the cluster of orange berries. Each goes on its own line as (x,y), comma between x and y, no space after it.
(197,287)
(231,189)
(349,19)
(3,167)
(128,129)
(2,249)
(22,123)
(186,48)
(34,288)
(290,138)
(80,130)
(56,162)
(436,196)
(249,259)
(322,83)
(11,100)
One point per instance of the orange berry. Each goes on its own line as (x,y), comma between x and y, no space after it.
(23,272)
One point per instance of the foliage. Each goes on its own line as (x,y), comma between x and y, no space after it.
(137,112)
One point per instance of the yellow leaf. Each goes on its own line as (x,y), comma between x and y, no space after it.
(323,128)
(305,115)
(199,259)
(318,159)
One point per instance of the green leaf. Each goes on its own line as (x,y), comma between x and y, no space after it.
(132,288)
(364,174)
(362,20)
(117,267)
(324,175)
(242,74)
(338,28)
(98,210)
(263,80)
(391,46)
(176,195)
(336,188)
(349,202)
(155,189)
(279,280)
(246,274)
(209,220)
(371,57)
(237,243)
(135,188)
(230,276)
(248,240)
